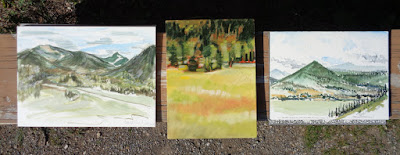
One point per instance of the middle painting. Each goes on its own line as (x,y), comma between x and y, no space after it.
(211,79)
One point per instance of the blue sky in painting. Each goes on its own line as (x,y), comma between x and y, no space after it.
(101,41)
(289,51)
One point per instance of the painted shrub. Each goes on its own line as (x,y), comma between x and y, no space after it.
(86,76)
(211,79)
(329,76)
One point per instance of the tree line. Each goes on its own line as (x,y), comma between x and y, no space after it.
(209,43)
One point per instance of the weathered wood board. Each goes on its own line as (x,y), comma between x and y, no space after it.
(262,72)
(161,78)
(8,79)
(395,74)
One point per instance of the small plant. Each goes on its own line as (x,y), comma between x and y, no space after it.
(19,138)
(312,135)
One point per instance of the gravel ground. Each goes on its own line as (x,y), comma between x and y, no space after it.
(270,140)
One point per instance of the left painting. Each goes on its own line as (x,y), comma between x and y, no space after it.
(72,76)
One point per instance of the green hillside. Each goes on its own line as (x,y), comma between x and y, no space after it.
(83,62)
(375,78)
(29,57)
(313,72)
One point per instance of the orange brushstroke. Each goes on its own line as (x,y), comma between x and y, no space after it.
(215,105)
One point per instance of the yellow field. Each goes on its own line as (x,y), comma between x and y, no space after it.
(218,104)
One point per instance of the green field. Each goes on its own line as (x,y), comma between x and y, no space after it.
(216,104)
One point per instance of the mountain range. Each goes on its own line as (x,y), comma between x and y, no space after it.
(317,79)
(55,60)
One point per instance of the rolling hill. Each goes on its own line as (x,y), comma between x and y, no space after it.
(141,66)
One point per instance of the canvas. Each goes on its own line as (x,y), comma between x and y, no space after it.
(329,76)
(71,76)
(211,86)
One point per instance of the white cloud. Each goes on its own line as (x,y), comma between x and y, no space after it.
(359,48)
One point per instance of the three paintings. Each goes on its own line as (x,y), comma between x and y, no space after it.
(105,77)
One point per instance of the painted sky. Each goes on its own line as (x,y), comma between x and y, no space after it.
(101,41)
(290,51)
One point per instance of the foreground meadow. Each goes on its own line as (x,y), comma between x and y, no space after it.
(211,105)
(320,109)
(92,108)
(304,109)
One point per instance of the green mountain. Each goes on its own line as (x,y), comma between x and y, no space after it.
(34,58)
(43,56)
(140,67)
(82,62)
(313,74)
(49,57)
(319,79)
(116,59)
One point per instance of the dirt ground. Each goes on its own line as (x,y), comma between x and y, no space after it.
(270,140)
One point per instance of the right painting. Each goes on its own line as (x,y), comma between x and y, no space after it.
(329,76)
